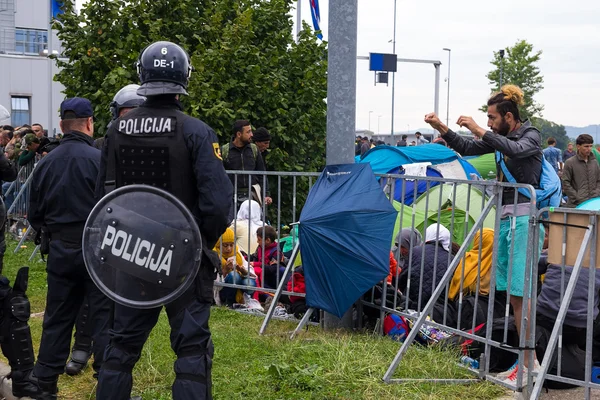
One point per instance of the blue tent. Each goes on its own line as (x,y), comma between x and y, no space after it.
(385,158)
(409,186)
(590,205)
(345,232)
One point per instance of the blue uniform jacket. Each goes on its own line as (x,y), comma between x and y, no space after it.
(63,183)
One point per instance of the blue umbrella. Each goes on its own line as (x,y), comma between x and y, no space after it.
(345,233)
(590,205)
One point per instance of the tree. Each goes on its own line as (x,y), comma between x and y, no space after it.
(247,66)
(551,129)
(519,68)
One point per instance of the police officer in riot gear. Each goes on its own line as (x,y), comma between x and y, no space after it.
(62,195)
(156,144)
(125,100)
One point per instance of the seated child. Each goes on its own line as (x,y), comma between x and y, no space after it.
(235,269)
(270,262)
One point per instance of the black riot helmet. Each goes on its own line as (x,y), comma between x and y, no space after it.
(127,97)
(164,68)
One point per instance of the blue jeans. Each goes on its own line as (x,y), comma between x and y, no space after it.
(234,278)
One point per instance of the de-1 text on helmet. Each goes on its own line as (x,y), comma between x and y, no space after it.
(127,97)
(163,68)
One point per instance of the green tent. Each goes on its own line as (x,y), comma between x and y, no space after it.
(485,165)
(473,197)
(459,229)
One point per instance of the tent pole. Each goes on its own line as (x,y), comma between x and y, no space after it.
(280,289)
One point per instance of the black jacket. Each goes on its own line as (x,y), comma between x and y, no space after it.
(63,184)
(522,147)
(242,159)
(431,260)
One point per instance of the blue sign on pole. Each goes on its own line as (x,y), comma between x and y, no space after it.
(383,62)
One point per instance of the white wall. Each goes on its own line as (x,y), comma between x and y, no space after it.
(33,14)
(29,76)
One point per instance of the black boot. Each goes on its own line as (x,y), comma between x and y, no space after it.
(48,389)
(24,384)
(78,361)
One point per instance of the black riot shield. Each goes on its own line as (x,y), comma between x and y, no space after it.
(141,246)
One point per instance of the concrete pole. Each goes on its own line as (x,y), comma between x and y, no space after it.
(341,100)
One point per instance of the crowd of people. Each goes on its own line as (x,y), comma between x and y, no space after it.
(244,249)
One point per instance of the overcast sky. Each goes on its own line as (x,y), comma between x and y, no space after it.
(566,31)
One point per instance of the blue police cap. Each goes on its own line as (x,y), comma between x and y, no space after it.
(77,107)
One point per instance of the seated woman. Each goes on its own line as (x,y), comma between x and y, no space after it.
(406,239)
(470,267)
(428,265)
(235,270)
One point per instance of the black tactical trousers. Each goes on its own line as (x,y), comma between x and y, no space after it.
(190,340)
(68,285)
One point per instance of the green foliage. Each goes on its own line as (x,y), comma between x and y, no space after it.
(519,68)
(551,129)
(247,66)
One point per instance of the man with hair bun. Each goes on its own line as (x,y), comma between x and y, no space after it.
(520,145)
(581,175)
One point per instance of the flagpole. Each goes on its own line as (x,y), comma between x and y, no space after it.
(298,19)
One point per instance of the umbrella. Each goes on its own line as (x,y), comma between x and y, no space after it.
(345,234)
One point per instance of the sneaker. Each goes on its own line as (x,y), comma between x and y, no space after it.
(512,378)
(508,372)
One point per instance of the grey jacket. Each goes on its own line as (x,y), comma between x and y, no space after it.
(522,148)
(580,180)
(548,300)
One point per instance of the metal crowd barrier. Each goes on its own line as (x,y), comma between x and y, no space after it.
(17,201)
(573,307)
(288,191)
(479,313)
(468,198)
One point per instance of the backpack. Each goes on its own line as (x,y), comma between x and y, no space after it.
(572,359)
(225,151)
(549,194)
(500,360)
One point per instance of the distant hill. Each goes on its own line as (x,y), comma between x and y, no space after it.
(573,131)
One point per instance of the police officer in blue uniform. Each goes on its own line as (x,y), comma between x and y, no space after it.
(125,100)
(156,144)
(62,196)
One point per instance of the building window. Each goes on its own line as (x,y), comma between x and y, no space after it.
(30,41)
(21,112)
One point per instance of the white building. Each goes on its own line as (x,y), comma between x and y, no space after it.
(26,87)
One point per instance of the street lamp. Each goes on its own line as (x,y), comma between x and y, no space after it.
(393,73)
(448,100)
(501,52)
(370,112)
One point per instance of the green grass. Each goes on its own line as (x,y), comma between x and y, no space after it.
(316,365)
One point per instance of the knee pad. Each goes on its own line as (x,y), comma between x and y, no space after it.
(15,333)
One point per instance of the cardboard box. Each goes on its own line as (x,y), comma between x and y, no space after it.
(574,236)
